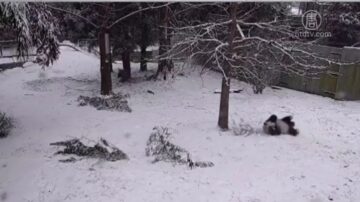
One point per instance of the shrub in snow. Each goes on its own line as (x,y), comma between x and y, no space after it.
(159,146)
(102,150)
(6,124)
(242,128)
(116,102)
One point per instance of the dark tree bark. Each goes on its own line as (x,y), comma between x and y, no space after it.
(126,50)
(144,42)
(169,62)
(223,121)
(162,43)
(105,62)
(143,61)
(126,74)
(164,65)
(111,63)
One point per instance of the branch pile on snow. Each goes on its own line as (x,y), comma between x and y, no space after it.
(101,150)
(159,146)
(116,102)
(242,128)
(6,124)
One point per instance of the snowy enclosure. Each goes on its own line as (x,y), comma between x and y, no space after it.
(322,163)
(179,101)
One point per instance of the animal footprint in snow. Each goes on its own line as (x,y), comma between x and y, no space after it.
(127,135)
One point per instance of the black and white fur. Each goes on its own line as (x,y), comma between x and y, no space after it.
(275,126)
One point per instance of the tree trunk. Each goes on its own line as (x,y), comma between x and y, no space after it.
(126,75)
(143,66)
(169,62)
(164,65)
(105,62)
(111,63)
(223,121)
(144,37)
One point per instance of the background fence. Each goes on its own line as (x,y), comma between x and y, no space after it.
(340,82)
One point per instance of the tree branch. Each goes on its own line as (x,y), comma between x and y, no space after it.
(138,11)
(77,15)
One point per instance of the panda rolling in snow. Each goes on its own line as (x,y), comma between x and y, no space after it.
(275,126)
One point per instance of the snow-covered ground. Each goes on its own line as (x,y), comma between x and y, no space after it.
(321,164)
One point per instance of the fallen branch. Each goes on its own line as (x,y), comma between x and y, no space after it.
(159,146)
(151,92)
(242,128)
(116,102)
(101,150)
(231,91)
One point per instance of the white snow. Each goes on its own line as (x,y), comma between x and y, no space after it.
(295,11)
(321,164)
(149,48)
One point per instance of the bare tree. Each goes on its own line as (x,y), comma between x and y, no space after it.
(229,40)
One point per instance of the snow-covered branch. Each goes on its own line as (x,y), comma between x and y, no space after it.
(74,14)
(260,49)
(35,27)
(138,11)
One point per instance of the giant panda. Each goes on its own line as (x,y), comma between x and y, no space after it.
(275,126)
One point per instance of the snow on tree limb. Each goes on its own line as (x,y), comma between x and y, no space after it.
(75,14)
(258,47)
(35,27)
(138,11)
(16,14)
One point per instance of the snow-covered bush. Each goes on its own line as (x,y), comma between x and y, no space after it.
(6,124)
(116,102)
(159,146)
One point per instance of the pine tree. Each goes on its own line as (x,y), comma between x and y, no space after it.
(34,26)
